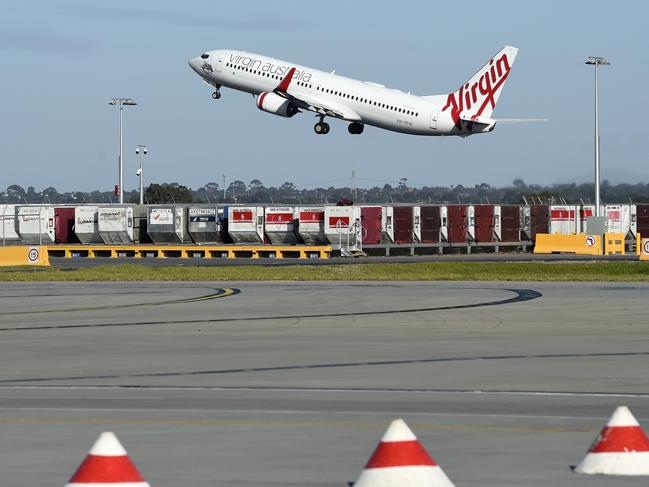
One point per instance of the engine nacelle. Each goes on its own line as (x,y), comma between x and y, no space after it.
(275,104)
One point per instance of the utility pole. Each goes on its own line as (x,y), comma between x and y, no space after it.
(597,61)
(120,103)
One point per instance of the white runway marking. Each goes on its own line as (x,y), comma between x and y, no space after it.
(341,390)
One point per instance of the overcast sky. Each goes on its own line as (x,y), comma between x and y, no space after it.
(63,61)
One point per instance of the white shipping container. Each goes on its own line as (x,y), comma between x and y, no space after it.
(166,224)
(205,225)
(35,224)
(564,219)
(387,224)
(8,224)
(246,224)
(416,223)
(443,225)
(86,224)
(311,225)
(343,225)
(116,224)
(281,224)
(585,212)
(470,219)
(618,219)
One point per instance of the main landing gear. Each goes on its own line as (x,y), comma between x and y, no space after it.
(216,94)
(322,127)
(355,128)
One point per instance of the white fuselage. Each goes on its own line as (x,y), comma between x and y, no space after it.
(357,101)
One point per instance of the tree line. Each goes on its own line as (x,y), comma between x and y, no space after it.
(256,192)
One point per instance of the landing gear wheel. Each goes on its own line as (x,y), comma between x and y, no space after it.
(216,94)
(319,128)
(355,128)
(326,128)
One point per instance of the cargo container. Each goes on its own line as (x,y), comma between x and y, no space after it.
(64,225)
(281,224)
(403,224)
(430,224)
(35,224)
(86,224)
(507,223)
(457,223)
(443,223)
(167,224)
(246,224)
(642,220)
(416,223)
(311,225)
(618,219)
(207,225)
(482,227)
(585,212)
(564,219)
(371,221)
(8,224)
(343,226)
(387,224)
(535,219)
(115,224)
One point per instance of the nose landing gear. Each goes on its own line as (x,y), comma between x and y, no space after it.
(216,94)
(322,127)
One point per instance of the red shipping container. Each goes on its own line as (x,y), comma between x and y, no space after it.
(371,222)
(539,219)
(430,224)
(457,224)
(484,223)
(64,226)
(402,224)
(510,223)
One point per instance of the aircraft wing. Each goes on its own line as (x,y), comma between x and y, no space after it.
(314,103)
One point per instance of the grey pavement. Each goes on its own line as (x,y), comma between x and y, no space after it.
(506,384)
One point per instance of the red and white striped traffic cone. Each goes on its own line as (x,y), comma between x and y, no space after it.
(622,448)
(107,465)
(400,460)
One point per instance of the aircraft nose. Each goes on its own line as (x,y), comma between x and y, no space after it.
(195,64)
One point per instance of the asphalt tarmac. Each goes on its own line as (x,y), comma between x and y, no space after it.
(282,384)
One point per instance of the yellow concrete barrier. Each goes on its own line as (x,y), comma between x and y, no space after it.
(644,249)
(582,244)
(614,243)
(191,251)
(15,255)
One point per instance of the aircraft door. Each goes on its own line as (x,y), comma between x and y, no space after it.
(219,64)
(433,119)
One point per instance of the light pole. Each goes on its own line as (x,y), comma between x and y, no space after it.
(597,61)
(141,150)
(121,102)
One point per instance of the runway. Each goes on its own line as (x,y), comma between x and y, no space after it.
(281,384)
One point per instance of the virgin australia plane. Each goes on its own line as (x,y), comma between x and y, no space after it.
(284,89)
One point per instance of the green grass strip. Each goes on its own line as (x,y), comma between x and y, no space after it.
(422,271)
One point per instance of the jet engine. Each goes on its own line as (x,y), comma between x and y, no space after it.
(275,104)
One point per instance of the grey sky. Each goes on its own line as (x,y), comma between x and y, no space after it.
(63,61)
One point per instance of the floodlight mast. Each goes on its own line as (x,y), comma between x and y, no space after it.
(597,61)
(121,102)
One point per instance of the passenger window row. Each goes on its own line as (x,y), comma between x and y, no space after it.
(367,101)
(328,91)
(262,73)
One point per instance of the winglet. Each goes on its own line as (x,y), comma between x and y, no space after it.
(283,86)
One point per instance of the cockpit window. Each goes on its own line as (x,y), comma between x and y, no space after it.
(204,56)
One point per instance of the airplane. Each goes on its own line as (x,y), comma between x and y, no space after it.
(285,89)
